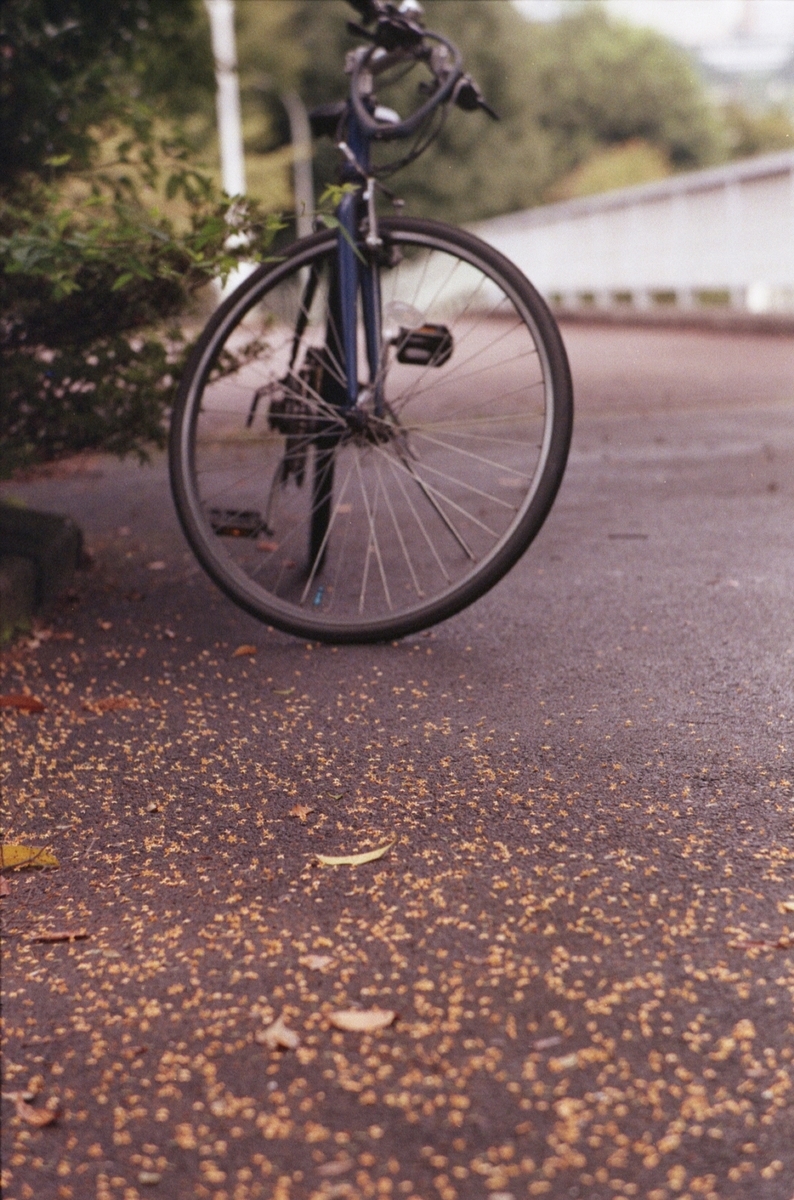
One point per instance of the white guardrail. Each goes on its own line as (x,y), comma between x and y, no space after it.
(720,237)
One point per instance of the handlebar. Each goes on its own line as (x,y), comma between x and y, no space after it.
(398,35)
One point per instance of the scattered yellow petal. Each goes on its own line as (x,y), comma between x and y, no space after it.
(26,856)
(278,1037)
(355,1020)
(354,860)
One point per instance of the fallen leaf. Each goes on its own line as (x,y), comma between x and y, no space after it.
(354,860)
(786,906)
(300,810)
(23,701)
(34,1116)
(26,856)
(244,650)
(5,890)
(316,962)
(568,1062)
(266,545)
(355,1020)
(337,1167)
(61,935)
(145,1177)
(278,1037)
(283,691)
(105,625)
(157,565)
(546,1043)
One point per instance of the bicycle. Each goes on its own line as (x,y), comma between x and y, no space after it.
(344,510)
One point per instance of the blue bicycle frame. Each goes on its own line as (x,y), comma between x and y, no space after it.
(355,270)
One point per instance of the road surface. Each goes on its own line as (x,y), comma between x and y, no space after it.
(584,921)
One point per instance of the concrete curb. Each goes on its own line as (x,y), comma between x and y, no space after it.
(777,324)
(39,554)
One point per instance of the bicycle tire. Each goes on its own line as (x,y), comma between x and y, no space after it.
(451,481)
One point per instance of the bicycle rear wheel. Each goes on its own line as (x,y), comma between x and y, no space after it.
(367,525)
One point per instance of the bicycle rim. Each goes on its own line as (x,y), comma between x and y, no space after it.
(429,494)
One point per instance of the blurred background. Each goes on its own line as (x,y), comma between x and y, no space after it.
(592,96)
(644,160)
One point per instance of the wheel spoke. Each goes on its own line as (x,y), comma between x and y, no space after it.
(381,519)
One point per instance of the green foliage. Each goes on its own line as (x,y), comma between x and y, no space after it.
(68,67)
(624,165)
(761,132)
(565,91)
(91,268)
(603,82)
(84,294)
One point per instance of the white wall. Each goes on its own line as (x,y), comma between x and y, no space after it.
(725,229)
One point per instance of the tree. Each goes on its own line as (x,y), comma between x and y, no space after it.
(91,265)
(564,91)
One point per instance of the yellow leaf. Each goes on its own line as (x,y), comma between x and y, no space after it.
(355,1020)
(278,1037)
(34,1116)
(300,810)
(354,860)
(315,962)
(244,650)
(26,856)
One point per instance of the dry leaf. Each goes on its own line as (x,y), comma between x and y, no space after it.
(568,1062)
(5,890)
(241,651)
(34,1116)
(355,1020)
(315,962)
(337,1167)
(266,545)
(354,860)
(300,810)
(61,935)
(157,565)
(546,1043)
(23,701)
(278,1037)
(149,1177)
(26,856)
(786,906)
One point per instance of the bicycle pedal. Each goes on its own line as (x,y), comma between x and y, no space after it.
(230,522)
(426,346)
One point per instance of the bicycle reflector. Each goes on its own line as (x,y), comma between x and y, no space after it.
(425,346)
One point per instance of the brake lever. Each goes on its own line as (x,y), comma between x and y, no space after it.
(469,97)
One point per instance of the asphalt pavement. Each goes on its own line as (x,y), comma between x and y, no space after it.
(575,957)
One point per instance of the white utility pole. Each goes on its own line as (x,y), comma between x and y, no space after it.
(301,137)
(227,98)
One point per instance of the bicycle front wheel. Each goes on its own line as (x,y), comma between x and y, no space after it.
(365,524)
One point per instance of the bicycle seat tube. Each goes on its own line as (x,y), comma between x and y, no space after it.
(352,271)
